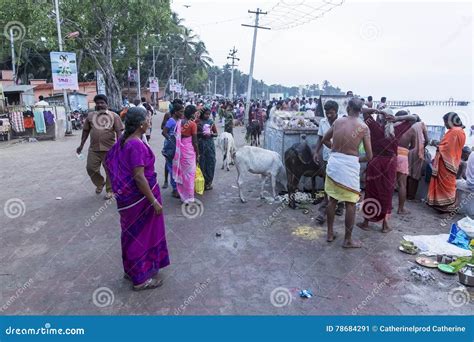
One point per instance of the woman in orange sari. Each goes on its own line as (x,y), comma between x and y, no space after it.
(442,190)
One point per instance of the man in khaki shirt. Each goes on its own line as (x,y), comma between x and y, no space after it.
(104,127)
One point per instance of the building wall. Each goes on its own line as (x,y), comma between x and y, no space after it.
(88,88)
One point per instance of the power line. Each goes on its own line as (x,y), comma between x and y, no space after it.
(257,13)
(289,15)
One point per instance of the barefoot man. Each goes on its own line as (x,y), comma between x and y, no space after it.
(382,169)
(342,172)
(407,141)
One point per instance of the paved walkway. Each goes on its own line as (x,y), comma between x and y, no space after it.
(63,256)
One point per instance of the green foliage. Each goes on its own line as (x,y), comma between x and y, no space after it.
(109,32)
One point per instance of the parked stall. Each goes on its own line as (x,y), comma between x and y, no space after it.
(42,123)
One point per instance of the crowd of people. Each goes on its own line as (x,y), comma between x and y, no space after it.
(391,145)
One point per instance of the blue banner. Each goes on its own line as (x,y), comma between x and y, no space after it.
(237,328)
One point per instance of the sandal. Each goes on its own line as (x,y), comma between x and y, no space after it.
(148,285)
(109,195)
(99,189)
(208,187)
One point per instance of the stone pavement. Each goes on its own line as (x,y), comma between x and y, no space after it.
(63,256)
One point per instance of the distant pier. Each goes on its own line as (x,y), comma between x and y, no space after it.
(450,103)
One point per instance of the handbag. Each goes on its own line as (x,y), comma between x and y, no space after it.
(199,181)
(169,148)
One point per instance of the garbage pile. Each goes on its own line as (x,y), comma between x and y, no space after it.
(453,252)
(294,120)
(300,197)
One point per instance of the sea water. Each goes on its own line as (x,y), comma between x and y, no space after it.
(433,116)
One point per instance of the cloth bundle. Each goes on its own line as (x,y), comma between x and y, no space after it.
(17,123)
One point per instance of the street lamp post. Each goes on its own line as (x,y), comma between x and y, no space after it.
(60,42)
(172,69)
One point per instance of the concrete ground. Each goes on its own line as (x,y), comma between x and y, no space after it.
(55,259)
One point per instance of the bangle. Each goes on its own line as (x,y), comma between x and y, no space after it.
(155,201)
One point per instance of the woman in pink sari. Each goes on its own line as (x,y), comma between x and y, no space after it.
(130,164)
(186,155)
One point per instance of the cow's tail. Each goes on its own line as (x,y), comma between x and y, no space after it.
(226,147)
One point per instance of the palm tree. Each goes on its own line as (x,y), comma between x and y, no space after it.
(201,56)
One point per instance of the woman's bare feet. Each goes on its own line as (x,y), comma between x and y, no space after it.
(363,225)
(385,227)
(331,237)
(351,244)
(403,212)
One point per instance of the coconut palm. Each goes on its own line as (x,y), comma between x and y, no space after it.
(201,56)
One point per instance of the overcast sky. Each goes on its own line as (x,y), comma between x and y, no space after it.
(398,49)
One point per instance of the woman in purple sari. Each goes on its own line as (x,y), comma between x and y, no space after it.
(130,163)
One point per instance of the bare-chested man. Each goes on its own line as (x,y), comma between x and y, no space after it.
(342,172)
(405,144)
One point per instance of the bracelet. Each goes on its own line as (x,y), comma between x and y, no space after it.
(155,201)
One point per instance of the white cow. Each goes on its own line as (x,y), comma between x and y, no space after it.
(226,143)
(259,161)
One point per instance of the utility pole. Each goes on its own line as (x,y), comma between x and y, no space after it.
(12,44)
(232,54)
(60,41)
(215,84)
(154,94)
(172,69)
(252,60)
(172,74)
(139,92)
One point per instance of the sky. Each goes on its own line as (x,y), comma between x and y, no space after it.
(399,49)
